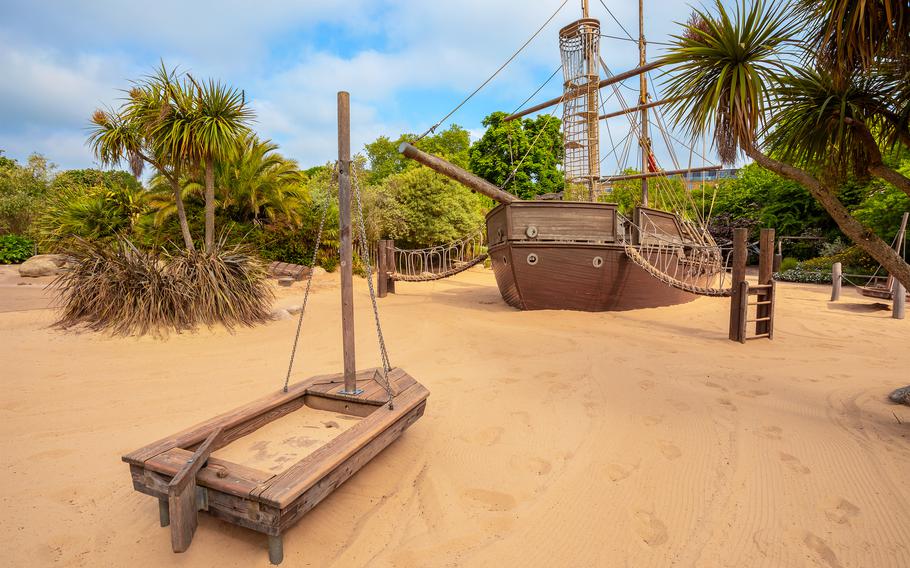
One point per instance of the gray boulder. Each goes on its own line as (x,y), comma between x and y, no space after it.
(40,265)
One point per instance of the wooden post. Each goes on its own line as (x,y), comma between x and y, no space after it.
(765,276)
(347,249)
(382,277)
(644,139)
(738,276)
(181,495)
(276,549)
(390,264)
(899,300)
(164,516)
(836,275)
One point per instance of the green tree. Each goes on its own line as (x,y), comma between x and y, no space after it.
(521,156)
(22,192)
(452,144)
(729,73)
(220,120)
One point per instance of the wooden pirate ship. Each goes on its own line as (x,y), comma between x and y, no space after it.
(586,255)
(182,474)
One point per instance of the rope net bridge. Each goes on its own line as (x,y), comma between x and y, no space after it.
(435,263)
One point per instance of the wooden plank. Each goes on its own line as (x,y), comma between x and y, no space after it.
(743,307)
(324,487)
(575,221)
(199,432)
(382,278)
(373,391)
(347,250)
(290,484)
(220,475)
(182,496)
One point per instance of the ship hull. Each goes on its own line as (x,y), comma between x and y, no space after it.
(568,256)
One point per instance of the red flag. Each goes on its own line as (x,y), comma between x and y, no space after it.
(652,163)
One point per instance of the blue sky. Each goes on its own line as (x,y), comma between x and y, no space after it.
(406,63)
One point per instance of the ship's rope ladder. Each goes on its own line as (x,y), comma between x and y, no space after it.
(438,262)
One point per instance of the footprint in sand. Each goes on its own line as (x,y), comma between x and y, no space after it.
(842,512)
(714,385)
(821,548)
(680,405)
(651,529)
(727,403)
(537,466)
(753,393)
(618,471)
(770,432)
(493,500)
(486,437)
(652,420)
(670,450)
(646,385)
(794,464)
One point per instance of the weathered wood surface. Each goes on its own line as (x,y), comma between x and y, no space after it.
(220,475)
(565,277)
(182,495)
(765,274)
(576,221)
(836,281)
(738,267)
(452,171)
(373,391)
(347,247)
(658,226)
(295,271)
(287,486)
(324,487)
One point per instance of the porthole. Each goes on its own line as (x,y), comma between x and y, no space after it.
(505,260)
(531,231)
(532,259)
(598,261)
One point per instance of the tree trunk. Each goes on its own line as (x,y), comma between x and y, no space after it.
(891,176)
(209,203)
(856,231)
(181,215)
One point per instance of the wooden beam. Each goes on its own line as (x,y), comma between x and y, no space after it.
(637,108)
(347,249)
(836,280)
(737,278)
(765,266)
(578,92)
(181,496)
(458,174)
(610,179)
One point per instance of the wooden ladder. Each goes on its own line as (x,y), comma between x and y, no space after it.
(763,319)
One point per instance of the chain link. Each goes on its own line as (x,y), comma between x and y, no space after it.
(306,294)
(365,257)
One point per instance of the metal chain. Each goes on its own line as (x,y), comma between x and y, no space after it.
(306,294)
(365,257)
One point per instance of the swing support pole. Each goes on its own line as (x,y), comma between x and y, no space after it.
(347,250)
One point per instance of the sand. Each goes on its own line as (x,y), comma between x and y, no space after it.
(638,439)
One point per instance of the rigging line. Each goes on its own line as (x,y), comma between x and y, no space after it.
(622,27)
(491,77)
(558,69)
(635,40)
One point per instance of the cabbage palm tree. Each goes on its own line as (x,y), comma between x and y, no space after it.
(219,121)
(727,72)
(141,132)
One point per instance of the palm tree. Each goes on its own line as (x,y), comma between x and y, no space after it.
(260,182)
(726,73)
(220,120)
(142,131)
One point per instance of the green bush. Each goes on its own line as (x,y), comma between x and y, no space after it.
(853,259)
(788,263)
(15,249)
(800,274)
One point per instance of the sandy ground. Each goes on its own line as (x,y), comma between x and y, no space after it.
(551,438)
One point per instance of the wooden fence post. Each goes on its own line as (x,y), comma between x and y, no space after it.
(765,276)
(382,278)
(390,267)
(836,274)
(899,302)
(738,276)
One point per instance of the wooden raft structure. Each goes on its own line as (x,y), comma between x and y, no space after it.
(180,471)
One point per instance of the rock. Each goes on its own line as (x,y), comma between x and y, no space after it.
(38,266)
(285,281)
(901,395)
(294,310)
(280,314)
(319,271)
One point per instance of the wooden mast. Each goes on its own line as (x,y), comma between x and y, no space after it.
(644,139)
(347,249)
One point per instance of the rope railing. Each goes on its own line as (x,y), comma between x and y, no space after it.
(695,264)
(442,261)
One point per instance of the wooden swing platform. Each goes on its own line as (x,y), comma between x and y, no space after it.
(179,471)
